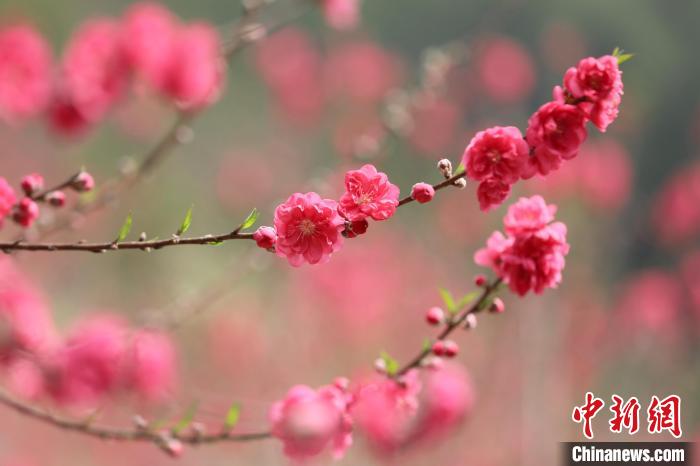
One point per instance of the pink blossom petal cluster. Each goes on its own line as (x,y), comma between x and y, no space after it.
(310,421)
(341,14)
(368,194)
(530,257)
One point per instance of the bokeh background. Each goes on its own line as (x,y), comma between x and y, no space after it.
(410,86)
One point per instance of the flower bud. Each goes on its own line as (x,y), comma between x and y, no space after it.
(265,237)
(341,383)
(480,280)
(497,306)
(356,228)
(26,212)
(56,198)
(470,321)
(380,365)
(439,348)
(83,182)
(445,167)
(32,183)
(422,192)
(435,316)
(461,183)
(450,348)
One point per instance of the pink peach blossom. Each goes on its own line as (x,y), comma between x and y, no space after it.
(25,73)
(531,257)
(308,229)
(651,300)
(310,421)
(422,192)
(555,131)
(492,192)
(597,84)
(528,215)
(368,193)
(265,237)
(506,70)
(498,152)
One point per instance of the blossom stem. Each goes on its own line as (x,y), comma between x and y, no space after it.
(116,434)
(453,323)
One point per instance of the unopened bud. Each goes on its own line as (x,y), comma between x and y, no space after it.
(497,306)
(480,280)
(445,167)
(32,183)
(56,198)
(83,182)
(470,321)
(380,365)
(461,183)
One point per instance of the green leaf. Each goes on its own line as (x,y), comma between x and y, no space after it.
(250,220)
(427,344)
(185,223)
(392,365)
(232,416)
(460,168)
(186,419)
(448,300)
(466,299)
(125,229)
(621,55)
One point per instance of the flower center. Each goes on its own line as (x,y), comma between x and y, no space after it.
(307,227)
(494,155)
(364,199)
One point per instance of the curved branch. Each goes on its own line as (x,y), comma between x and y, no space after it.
(113,433)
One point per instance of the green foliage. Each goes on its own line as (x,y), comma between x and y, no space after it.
(125,229)
(621,55)
(232,416)
(391,364)
(186,222)
(250,220)
(187,419)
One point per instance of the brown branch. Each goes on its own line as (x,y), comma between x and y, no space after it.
(138,434)
(453,323)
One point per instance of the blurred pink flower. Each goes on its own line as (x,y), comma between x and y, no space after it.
(341,14)
(149,37)
(26,325)
(528,259)
(597,82)
(26,212)
(385,410)
(196,71)
(368,194)
(25,73)
(309,421)
(447,397)
(290,65)
(605,174)
(308,229)
(555,132)
(151,364)
(676,209)
(651,300)
(90,365)
(7,199)
(506,70)
(94,72)
(362,72)
(435,121)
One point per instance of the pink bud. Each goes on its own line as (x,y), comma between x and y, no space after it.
(435,316)
(434,363)
(83,182)
(173,447)
(380,365)
(26,212)
(341,383)
(422,192)
(265,237)
(32,183)
(439,348)
(56,198)
(450,349)
(480,280)
(356,228)
(497,306)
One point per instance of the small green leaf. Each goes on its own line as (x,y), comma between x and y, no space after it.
(215,243)
(621,55)
(232,416)
(186,419)
(460,168)
(466,299)
(391,364)
(427,344)
(185,223)
(250,220)
(448,300)
(125,229)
